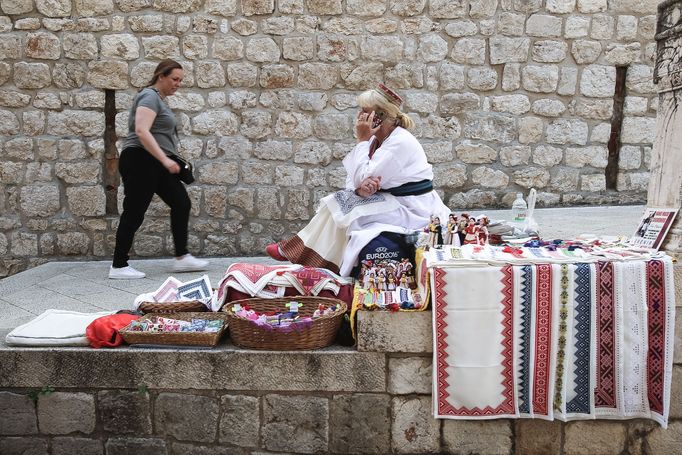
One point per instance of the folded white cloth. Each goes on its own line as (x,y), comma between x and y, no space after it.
(54,328)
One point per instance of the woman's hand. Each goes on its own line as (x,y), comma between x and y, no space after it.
(171,166)
(363,126)
(368,187)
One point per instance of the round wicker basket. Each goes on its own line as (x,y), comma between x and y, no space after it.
(319,334)
(191,306)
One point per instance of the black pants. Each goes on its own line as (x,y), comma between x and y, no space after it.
(143,176)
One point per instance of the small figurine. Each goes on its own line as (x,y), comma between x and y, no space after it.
(462,226)
(482,233)
(450,229)
(435,232)
(471,232)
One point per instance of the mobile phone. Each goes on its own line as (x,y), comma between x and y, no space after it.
(378,118)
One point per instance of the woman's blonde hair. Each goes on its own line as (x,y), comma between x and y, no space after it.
(373,99)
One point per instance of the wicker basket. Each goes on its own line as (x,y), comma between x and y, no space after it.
(319,334)
(187,306)
(177,338)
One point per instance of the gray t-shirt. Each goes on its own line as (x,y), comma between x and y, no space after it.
(164,126)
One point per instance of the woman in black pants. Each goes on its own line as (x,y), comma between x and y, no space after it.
(146,170)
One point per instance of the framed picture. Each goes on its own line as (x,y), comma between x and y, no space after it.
(653,227)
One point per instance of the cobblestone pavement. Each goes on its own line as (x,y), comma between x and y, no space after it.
(84,286)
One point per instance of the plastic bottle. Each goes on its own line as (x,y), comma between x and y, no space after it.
(519,209)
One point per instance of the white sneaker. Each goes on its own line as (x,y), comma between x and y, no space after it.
(189,263)
(125,273)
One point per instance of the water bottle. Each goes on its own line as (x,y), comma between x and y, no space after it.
(519,209)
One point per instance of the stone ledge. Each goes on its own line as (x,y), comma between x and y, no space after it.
(329,370)
(380,331)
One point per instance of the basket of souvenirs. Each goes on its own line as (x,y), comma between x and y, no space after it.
(285,324)
(187,306)
(174,296)
(193,329)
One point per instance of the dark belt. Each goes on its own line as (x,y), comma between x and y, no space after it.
(411,188)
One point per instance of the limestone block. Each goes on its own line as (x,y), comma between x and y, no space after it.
(5,70)
(632,181)
(513,104)
(490,127)
(638,130)
(312,101)
(5,24)
(594,156)
(560,6)
(273,150)
(460,28)
(24,244)
(567,81)
(210,74)
(68,75)
(456,103)
(108,74)
(530,129)
(11,172)
(161,46)
(469,50)
(186,101)
(29,23)
(124,412)
(262,50)
(542,79)
(332,126)
(240,99)
(240,420)
(186,417)
(414,429)
(635,105)
(407,8)
(593,183)
(511,77)
(324,7)
(598,81)
(602,27)
(80,46)
(226,8)
(298,48)
(485,436)
(447,9)
(16,6)
(219,122)
(277,76)
(31,75)
(41,200)
(433,48)
(548,51)
(453,176)
(305,416)
(630,157)
(489,178)
(3,250)
(600,109)
(71,445)
(362,77)
(132,446)
(47,100)
(88,8)
(86,200)
(542,25)
(14,99)
(622,54)
(23,445)
(547,156)
(80,172)
(409,375)
(508,50)
(567,131)
(256,124)
(451,77)
(288,176)
(177,6)
(146,23)
(313,152)
(90,99)
(548,107)
(585,51)
(565,179)
(482,78)
(394,332)
(531,177)
(647,27)
(278,26)
(473,153)
(594,437)
(576,27)
(296,207)
(439,152)
(34,123)
(63,413)
(639,80)
(317,76)
(17,412)
(73,243)
(10,47)
(592,6)
(385,49)
(242,74)
(228,48)
(661,440)
(514,155)
(360,423)
(20,148)
(538,437)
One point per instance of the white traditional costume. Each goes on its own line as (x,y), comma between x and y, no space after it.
(345,222)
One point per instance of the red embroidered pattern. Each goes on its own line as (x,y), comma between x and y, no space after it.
(543,338)
(296,251)
(507,405)
(605,392)
(308,278)
(656,302)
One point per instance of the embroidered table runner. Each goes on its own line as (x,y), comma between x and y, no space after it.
(553,341)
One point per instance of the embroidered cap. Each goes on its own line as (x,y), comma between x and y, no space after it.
(390,95)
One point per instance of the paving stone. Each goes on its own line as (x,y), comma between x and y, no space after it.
(23,446)
(595,438)
(414,430)
(17,414)
(240,420)
(80,446)
(380,331)
(63,413)
(360,423)
(538,437)
(295,423)
(483,436)
(186,417)
(135,446)
(124,412)
(410,375)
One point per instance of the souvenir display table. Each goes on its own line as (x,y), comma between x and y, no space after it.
(552,332)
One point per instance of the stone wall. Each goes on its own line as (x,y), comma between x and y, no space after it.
(334,401)
(507,95)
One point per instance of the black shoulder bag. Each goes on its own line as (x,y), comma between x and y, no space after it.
(186,169)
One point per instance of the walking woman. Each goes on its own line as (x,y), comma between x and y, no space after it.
(147,169)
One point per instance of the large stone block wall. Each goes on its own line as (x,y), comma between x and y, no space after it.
(507,95)
(376,400)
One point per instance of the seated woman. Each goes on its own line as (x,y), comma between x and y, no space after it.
(388,189)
